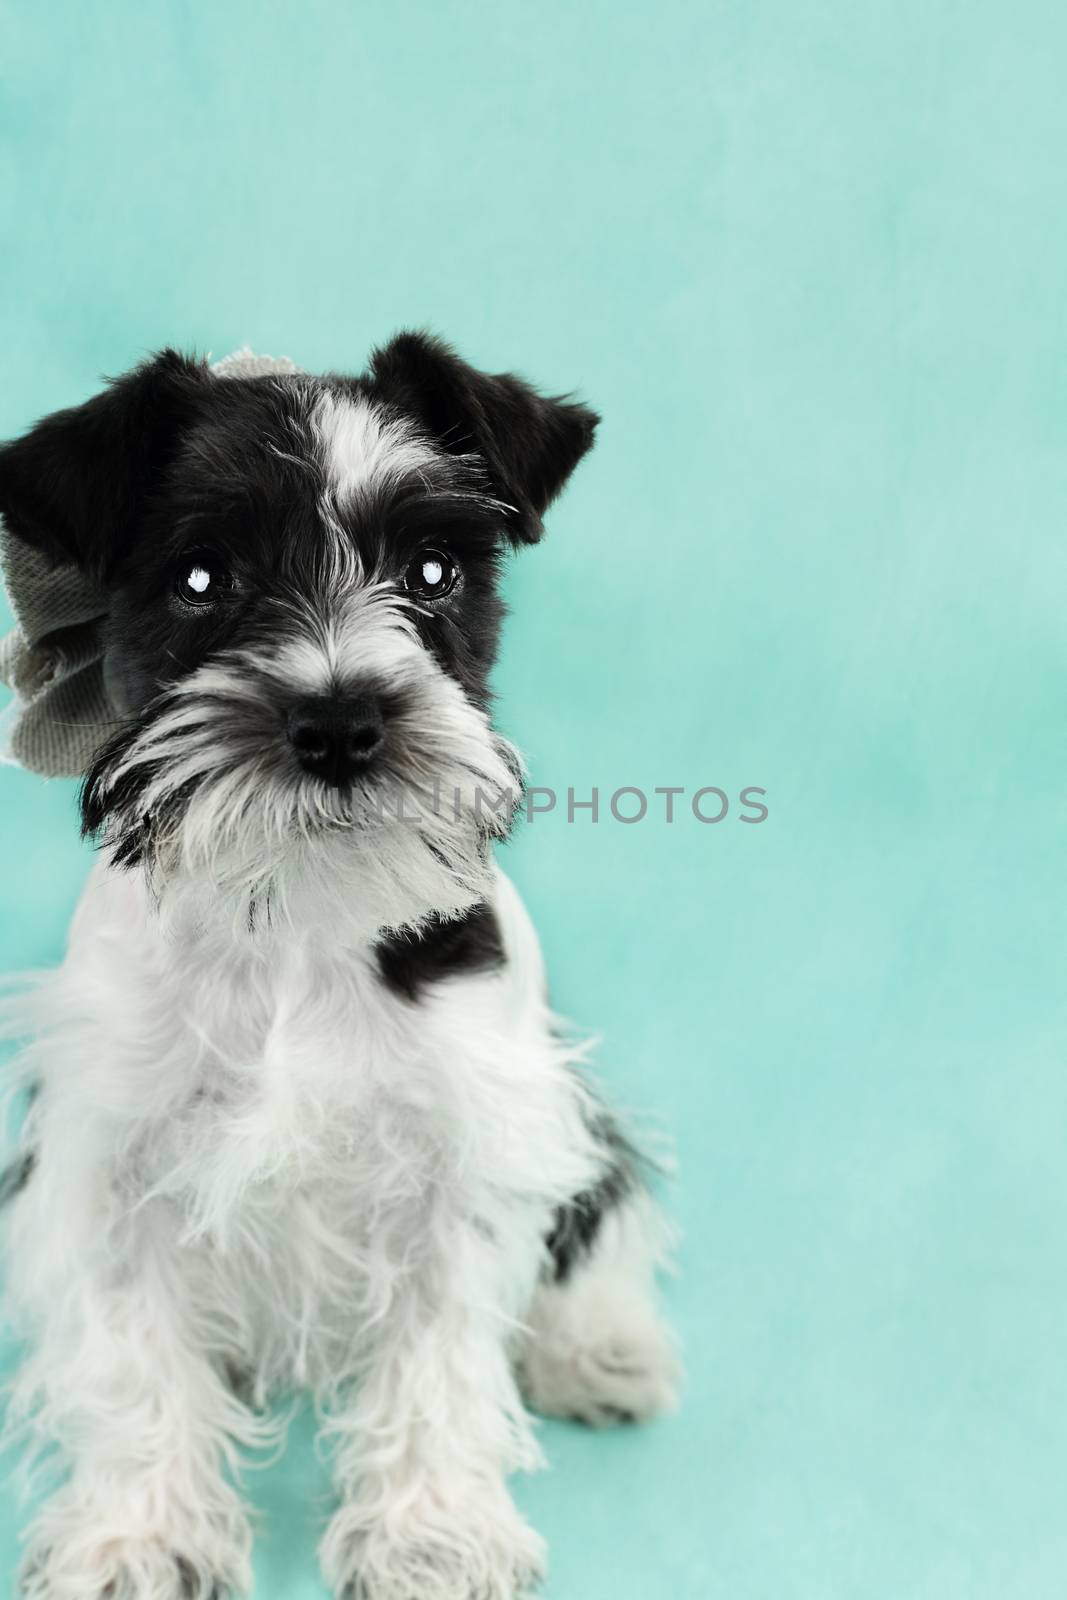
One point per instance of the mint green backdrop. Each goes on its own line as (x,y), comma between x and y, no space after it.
(810,261)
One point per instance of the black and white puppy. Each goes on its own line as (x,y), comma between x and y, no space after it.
(301,1114)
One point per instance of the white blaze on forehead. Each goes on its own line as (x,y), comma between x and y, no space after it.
(362,449)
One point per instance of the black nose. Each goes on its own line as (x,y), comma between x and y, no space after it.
(336,738)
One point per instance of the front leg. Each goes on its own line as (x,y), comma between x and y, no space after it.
(118,1392)
(427,1440)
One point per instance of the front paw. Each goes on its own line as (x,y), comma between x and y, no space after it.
(116,1569)
(459,1546)
(111,1537)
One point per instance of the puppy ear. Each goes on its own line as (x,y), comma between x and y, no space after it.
(72,487)
(530,443)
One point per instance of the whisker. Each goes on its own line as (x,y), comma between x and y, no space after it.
(60,722)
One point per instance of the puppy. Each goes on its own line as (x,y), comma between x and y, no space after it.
(301,1115)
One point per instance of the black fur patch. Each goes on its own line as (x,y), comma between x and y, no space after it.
(408,962)
(16,1176)
(195,1584)
(576,1225)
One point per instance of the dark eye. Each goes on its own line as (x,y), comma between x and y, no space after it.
(431,575)
(203,578)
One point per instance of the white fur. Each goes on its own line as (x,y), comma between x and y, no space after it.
(254,1156)
(363,450)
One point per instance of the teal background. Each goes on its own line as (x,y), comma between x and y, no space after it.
(810,261)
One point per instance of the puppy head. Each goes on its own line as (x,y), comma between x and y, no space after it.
(303,611)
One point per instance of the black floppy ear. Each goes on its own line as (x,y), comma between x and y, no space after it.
(530,443)
(72,487)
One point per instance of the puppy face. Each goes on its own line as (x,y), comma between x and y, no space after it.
(303,614)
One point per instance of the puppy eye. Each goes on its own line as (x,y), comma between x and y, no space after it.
(202,579)
(431,575)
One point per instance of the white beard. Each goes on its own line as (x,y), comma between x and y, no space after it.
(233,829)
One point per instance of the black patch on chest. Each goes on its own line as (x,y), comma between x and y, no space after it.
(471,943)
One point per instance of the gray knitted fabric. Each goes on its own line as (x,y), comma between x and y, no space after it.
(52,658)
